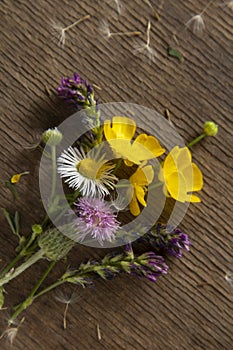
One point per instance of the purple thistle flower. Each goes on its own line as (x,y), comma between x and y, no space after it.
(95,217)
(78,91)
(170,239)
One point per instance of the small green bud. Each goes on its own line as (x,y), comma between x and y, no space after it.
(210,128)
(52,137)
(37,229)
(125,266)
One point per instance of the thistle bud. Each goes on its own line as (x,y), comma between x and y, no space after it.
(52,137)
(54,244)
(210,128)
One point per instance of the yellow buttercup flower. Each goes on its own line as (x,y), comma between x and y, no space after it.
(119,135)
(140,180)
(181,176)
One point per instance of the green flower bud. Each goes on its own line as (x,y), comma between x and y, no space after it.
(210,128)
(37,229)
(54,244)
(52,137)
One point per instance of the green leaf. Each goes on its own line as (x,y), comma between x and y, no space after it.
(175,53)
(9,220)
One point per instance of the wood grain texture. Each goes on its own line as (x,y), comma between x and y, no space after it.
(191,308)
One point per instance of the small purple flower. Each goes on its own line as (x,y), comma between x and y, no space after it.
(95,217)
(170,239)
(77,90)
(149,265)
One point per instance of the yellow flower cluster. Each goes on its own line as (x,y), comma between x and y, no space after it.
(178,173)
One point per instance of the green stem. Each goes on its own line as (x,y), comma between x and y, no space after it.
(118,164)
(196,140)
(21,307)
(54,173)
(157,184)
(11,264)
(49,288)
(32,260)
(21,254)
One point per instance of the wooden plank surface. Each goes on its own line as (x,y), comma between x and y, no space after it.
(190,308)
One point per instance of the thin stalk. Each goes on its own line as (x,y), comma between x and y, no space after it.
(65,315)
(11,264)
(196,140)
(157,184)
(54,173)
(206,7)
(49,288)
(32,260)
(118,164)
(76,22)
(21,254)
(21,307)
(125,33)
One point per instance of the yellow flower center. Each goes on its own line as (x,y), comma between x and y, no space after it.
(88,168)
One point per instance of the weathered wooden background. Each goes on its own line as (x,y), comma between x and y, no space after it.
(191,308)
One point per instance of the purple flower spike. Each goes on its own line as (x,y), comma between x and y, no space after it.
(78,91)
(169,239)
(149,265)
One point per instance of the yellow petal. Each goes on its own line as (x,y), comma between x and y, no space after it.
(122,128)
(147,147)
(184,158)
(15,178)
(176,186)
(193,198)
(149,173)
(143,176)
(133,206)
(128,162)
(169,165)
(197,178)
(194,178)
(177,160)
(108,131)
(140,194)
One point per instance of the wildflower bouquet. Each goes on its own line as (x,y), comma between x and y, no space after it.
(106,181)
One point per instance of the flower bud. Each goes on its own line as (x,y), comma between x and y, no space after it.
(52,137)
(37,229)
(54,244)
(210,128)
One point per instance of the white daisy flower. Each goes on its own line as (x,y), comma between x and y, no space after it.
(87,173)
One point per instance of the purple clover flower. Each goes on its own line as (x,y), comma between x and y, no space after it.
(169,239)
(77,90)
(96,218)
(149,265)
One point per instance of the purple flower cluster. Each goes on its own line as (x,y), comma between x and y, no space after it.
(77,90)
(149,265)
(95,217)
(169,239)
